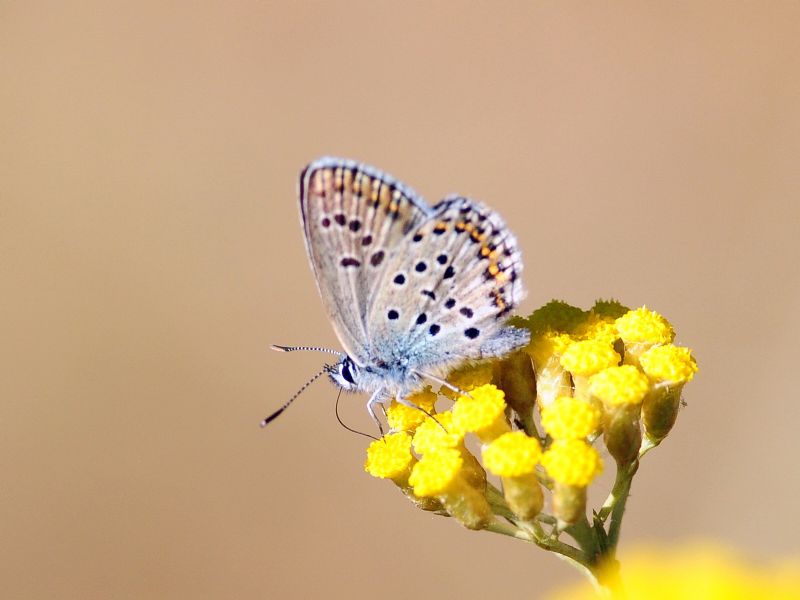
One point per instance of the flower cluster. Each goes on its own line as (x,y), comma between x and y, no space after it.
(604,381)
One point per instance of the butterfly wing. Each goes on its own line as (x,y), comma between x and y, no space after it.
(354,218)
(444,298)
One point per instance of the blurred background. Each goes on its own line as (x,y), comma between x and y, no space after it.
(150,252)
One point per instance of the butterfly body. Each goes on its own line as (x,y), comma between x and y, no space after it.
(411,290)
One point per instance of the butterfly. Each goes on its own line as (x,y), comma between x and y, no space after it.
(411,290)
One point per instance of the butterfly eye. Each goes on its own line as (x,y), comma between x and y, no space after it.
(348,376)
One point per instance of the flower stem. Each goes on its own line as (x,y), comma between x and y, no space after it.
(621,492)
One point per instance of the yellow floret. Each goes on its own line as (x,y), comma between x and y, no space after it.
(436,472)
(643,325)
(589,357)
(512,454)
(668,363)
(570,419)
(482,412)
(548,344)
(601,329)
(468,377)
(389,457)
(432,435)
(407,418)
(572,462)
(619,385)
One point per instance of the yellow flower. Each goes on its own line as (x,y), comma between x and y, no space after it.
(513,457)
(589,357)
(468,377)
(545,351)
(436,473)
(668,363)
(619,385)
(570,419)
(671,367)
(643,325)
(512,454)
(482,412)
(598,328)
(548,344)
(390,457)
(700,572)
(407,418)
(621,391)
(436,434)
(439,474)
(572,462)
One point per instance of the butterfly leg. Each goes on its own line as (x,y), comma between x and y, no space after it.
(402,400)
(446,384)
(373,400)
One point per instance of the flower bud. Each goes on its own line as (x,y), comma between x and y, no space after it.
(621,390)
(569,418)
(516,378)
(670,368)
(390,458)
(584,359)
(622,434)
(640,330)
(482,412)
(660,411)
(572,464)
(441,432)
(552,380)
(569,503)
(439,474)
(513,457)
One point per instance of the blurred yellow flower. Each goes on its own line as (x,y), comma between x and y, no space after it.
(698,572)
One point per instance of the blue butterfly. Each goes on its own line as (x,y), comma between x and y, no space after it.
(411,290)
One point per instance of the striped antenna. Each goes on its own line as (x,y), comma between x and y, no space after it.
(311,348)
(278,412)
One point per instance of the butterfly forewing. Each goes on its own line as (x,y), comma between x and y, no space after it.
(354,218)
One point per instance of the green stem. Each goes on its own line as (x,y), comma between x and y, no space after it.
(583,533)
(509,530)
(622,492)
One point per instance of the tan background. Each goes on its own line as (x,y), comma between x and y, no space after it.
(150,252)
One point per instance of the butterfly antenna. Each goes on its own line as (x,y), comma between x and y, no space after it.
(278,412)
(338,418)
(279,348)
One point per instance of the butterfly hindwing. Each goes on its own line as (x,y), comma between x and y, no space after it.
(354,219)
(444,298)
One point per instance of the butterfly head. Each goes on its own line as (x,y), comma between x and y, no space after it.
(345,374)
